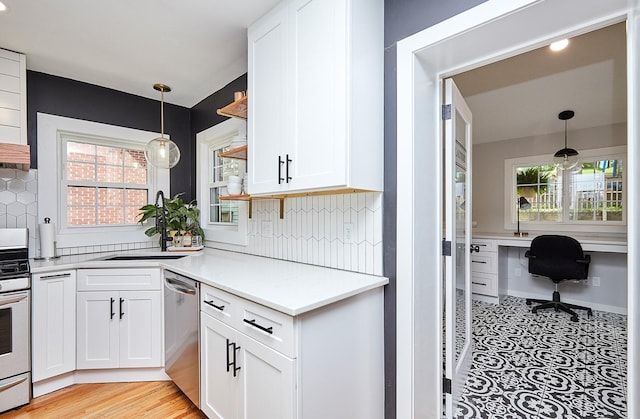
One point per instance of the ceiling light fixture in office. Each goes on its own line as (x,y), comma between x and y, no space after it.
(162,152)
(566,158)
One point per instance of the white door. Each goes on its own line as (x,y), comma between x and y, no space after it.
(140,329)
(457,167)
(98,327)
(219,390)
(267,381)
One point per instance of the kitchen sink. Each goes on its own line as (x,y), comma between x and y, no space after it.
(145,257)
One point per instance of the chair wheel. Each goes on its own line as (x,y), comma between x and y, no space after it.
(574,318)
(528,302)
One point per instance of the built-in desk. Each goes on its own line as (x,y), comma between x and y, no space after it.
(490,273)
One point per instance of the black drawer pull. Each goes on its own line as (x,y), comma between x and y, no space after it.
(256,325)
(221,308)
(479,283)
(478,261)
(65,275)
(112,313)
(121,312)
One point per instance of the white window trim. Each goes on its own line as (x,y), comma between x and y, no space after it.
(51,172)
(574,226)
(206,140)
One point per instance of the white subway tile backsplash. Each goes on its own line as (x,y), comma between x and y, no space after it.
(312,231)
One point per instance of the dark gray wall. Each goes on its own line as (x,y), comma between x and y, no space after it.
(402,18)
(73,99)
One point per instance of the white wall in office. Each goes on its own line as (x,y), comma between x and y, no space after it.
(611,295)
(488,166)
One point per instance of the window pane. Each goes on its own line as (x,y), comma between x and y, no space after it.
(110,215)
(81,216)
(81,171)
(109,155)
(540,186)
(112,174)
(81,196)
(222,211)
(81,152)
(597,191)
(135,158)
(135,175)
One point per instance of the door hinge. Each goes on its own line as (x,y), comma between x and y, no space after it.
(446,112)
(446,248)
(446,385)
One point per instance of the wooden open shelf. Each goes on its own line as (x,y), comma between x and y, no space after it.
(237,109)
(236,153)
(235,198)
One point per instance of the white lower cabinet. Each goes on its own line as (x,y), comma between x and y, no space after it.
(54,324)
(119,328)
(259,363)
(242,378)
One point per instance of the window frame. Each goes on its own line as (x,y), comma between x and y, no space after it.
(218,136)
(510,194)
(51,178)
(65,138)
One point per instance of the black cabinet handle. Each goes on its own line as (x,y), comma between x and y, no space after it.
(112,313)
(479,283)
(221,308)
(287,169)
(228,363)
(478,261)
(253,323)
(280,163)
(235,367)
(121,312)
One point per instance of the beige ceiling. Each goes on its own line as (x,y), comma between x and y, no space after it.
(522,96)
(194,46)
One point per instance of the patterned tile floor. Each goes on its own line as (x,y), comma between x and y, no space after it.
(544,365)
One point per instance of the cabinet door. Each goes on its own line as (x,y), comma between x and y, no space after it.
(97,330)
(268,120)
(219,389)
(268,382)
(318,107)
(140,340)
(54,324)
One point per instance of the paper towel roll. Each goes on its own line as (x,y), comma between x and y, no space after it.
(47,240)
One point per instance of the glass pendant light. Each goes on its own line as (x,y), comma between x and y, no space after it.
(161,152)
(566,158)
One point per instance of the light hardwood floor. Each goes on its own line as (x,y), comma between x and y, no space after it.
(157,399)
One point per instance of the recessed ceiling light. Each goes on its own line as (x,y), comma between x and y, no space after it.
(3,7)
(559,45)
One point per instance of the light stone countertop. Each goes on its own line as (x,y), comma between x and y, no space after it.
(289,287)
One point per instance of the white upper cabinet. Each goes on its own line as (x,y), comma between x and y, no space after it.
(316,97)
(13,97)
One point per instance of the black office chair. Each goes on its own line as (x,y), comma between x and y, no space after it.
(558,258)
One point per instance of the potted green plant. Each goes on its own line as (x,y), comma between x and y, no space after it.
(179,215)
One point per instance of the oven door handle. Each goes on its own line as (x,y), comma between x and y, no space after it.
(10,384)
(11,300)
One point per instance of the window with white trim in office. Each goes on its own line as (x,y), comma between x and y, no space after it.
(224,221)
(592,195)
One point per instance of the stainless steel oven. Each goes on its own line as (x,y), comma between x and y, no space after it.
(15,351)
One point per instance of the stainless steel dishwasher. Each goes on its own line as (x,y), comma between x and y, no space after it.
(181,333)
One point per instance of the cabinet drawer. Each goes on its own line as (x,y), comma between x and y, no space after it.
(119,279)
(271,327)
(218,304)
(484,262)
(484,245)
(482,283)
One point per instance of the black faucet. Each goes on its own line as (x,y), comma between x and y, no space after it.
(161,222)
